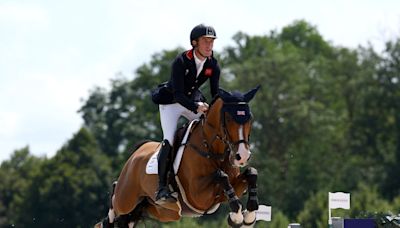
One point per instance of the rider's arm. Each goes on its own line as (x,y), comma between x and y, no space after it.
(178,84)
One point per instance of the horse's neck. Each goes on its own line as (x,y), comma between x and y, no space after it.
(213,126)
(214,114)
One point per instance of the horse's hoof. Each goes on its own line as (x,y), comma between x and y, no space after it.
(248,225)
(233,224)
(249,218)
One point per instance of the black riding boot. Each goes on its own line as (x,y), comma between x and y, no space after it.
(164,160)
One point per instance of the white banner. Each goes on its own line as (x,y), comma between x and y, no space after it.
(339,200)
(263,213)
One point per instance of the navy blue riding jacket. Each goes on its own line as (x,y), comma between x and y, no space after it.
(183,86)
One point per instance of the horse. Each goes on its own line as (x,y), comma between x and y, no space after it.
(209,172)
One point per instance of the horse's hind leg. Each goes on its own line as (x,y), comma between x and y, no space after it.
(130,220)
(144,208)
(124,221)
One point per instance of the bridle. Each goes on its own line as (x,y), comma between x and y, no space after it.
(225,138)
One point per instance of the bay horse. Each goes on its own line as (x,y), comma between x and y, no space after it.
(208,174)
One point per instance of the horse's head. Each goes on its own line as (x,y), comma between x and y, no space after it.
(229,125)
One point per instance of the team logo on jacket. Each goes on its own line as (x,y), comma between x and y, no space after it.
(208,72)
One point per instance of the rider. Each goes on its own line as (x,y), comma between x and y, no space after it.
(180,96)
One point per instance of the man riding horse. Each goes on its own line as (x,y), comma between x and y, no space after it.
(206,174)
(180,96)
(217,145)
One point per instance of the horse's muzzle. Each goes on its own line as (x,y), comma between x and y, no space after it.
(241,159)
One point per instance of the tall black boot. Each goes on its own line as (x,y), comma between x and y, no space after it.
(164,160)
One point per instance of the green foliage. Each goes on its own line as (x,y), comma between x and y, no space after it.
(388,77)
(65,191)
(307,38)
(278,220)
(367,203)
(315,212)
(294,124)
(185,222)
(16,177)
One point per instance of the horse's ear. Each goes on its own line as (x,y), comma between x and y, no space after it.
(249,95)
(224,94)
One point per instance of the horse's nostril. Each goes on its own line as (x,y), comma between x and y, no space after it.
(237,156)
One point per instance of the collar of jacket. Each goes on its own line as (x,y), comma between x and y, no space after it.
(190,53)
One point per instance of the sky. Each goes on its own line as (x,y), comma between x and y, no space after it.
(53,53)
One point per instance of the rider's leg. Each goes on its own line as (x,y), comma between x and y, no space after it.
(164,162)
(169,115)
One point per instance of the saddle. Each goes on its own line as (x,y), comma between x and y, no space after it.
(151,167)
(179,134)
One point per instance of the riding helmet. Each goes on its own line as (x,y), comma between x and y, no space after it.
(202,30)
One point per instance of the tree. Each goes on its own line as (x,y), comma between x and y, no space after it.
(388,77)
(367,203)
(16,175)
(70,189)
(293,123)
(315,212)
(307,38)
(125,115)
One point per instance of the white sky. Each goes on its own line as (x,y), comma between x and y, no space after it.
(53,52)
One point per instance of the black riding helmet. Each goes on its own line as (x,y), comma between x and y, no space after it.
(202,30)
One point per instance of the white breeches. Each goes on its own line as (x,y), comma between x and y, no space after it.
(169,116)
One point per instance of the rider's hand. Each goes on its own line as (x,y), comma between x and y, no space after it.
(203,107)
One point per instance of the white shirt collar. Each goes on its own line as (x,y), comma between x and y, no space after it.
(199,63)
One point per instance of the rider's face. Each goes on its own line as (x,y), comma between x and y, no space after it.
(205,46)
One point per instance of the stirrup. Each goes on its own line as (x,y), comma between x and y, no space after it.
(165,196)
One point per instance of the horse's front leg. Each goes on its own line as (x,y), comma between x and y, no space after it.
(235,218)
(250,175)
